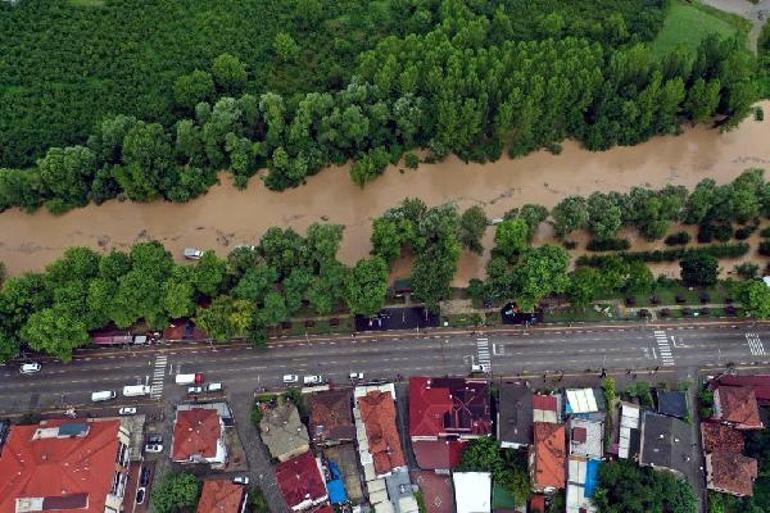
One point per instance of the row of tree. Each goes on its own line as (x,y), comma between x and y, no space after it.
(457,88)
(241,296)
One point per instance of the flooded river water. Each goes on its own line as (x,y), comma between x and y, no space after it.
(226,216)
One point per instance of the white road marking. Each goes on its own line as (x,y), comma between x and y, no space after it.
(756,348)
(664,348)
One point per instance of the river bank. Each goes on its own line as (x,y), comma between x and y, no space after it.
(226,216)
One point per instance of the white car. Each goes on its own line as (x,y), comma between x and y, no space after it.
(313,380)
(214,387)
(193,253)
(241,480)
(356,376)
(153,448)
(30,368)
(194,390)
(128,410)
(289,379)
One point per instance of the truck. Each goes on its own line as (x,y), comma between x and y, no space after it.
(136,390)
(103,395)
(189,379)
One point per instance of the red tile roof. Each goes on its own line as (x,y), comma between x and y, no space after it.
(64,471)
(438,454)
(441,406)
(738,406)
(331,416)
(544,402)
(717,436)
(300,479)
(196,433)
(220,496)
(731,473)
(378,412)
(549,464)
(537,503)
(760,383)
(437,491)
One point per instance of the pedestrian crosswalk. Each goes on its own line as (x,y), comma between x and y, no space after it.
(756,347)
(664,348)
(482,350)
(159,373)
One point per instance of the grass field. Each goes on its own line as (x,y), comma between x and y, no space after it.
(689,23)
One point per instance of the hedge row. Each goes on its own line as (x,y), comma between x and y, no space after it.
(669,255)
(608,245)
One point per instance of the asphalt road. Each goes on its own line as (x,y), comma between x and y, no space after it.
(243,369)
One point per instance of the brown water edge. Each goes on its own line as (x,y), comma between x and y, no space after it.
(226,216)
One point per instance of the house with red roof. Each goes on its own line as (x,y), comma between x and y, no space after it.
(301,482)
(727,469)
(759,383)
(65,466)
(444,413)
(222,496)
(376,411)
(737,406)
(548,457)
(199,437)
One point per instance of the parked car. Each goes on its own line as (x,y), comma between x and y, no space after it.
(195,390)
(289,379)
(144,477)
(127,410)
(103,395)
(316,379)
(356,376)
(193,253)
(140,493)
(241,480)
(214,387)
(30,368)
(5,428)
(153,448)
(155,439)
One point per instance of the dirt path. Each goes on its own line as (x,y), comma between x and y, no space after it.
(757,14)
(225,216)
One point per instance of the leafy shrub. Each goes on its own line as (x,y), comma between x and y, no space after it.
(411,160)
(765,232)
(764,248)
(677,239)
(734,250)
(747,270)
(570,244)
(608,245)
(745,232)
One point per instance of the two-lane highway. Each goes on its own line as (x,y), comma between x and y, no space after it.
(243,368)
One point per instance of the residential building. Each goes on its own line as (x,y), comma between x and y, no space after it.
(546,408)
(473,492)
(222,496)
(443,414)
(587,438)
(282,430)
(548,457)
(331,417)
(514,415)
(727,469)
(759,383)
(629,440)
(67,466)
(583,476)
(737,406)
(673,403)
(301,482)
(386,476)
(199,437)
(665,443)
(582,401)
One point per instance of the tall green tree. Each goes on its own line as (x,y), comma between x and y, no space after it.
(226,318)
(473,224)
(540,272)
(570,214)
(366,286)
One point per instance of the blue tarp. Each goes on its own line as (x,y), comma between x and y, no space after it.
(592,477)
(336,488)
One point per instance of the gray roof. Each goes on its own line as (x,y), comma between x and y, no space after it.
(673,403)
(283,432)
(515,414)
(666,442)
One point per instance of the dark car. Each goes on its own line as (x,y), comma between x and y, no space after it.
(5,427)
(144,478)
(155,439)
(140,493)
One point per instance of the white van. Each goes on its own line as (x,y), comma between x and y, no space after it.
(136,390)
(104,395)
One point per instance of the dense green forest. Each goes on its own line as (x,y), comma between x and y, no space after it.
(149,102)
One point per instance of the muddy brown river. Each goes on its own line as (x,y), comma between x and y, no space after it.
(226,216)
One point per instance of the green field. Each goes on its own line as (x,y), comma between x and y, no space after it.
(689,23)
